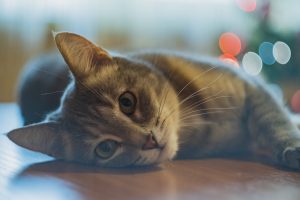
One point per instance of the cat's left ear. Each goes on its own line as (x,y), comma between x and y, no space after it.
(82,56)
(45,137)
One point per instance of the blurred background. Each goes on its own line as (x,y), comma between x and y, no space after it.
(261,37)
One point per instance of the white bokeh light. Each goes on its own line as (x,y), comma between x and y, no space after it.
(281,52)
(252,63)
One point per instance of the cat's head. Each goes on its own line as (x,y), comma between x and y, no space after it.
(117,112)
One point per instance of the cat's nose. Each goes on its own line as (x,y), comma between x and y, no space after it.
(151,142)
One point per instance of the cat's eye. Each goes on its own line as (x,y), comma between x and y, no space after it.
(107,148)
(127,103)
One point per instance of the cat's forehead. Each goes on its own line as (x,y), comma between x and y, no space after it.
(122,72)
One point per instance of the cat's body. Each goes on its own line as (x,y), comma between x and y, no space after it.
(194,107)
(41,86)
(222,96)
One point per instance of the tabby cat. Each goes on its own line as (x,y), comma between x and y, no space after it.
(144,108)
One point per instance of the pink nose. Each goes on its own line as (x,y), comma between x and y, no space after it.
(151,142)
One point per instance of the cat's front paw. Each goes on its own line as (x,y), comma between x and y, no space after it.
(291,157)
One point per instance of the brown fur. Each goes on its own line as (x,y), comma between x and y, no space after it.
(195,107)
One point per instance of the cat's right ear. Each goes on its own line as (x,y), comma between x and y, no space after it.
(44,137)
(82,56)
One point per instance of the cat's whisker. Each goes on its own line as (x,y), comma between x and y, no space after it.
(49,93)
(195,104)
(78,81)
(201,114)
(160,101)
(200,90)
(161,106)
(170,77)
(193,95)
(205,101)
(213,98)
(194,79)
(193,124)
(207,109)
(95,92)
(164,102)
(63,78)
(136,161)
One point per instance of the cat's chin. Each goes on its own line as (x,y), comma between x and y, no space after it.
(158,156)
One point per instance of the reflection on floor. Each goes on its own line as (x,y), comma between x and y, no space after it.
(29,175)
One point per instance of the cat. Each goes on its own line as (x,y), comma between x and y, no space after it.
(148,107)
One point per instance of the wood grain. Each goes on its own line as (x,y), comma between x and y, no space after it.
(29,175)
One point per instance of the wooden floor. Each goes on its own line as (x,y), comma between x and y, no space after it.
(27,175)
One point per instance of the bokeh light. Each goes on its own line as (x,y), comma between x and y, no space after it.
(230,43)
(295,102)
(247,5)
(281,52)
(252,63)
(266,53)
(227,58)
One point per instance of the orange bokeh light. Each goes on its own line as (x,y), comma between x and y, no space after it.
(229,59)
(230,43)
(295,102)
(247,5)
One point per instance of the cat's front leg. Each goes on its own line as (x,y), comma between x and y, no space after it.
(291,156)
(273,135)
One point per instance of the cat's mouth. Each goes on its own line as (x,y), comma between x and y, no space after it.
(153,151)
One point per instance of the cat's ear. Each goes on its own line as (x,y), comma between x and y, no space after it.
(45,137)
(82,56)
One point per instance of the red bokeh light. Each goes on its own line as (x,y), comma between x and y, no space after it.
(295,102)
(229,59)
(247,5)
(230,43)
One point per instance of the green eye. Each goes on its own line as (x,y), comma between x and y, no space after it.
(127,103)
(107,148)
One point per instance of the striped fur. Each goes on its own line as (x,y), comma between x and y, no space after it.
(196,107)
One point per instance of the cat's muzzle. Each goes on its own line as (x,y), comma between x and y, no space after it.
(151,142)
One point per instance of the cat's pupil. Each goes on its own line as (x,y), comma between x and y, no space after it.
(106,147)
(126,102)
